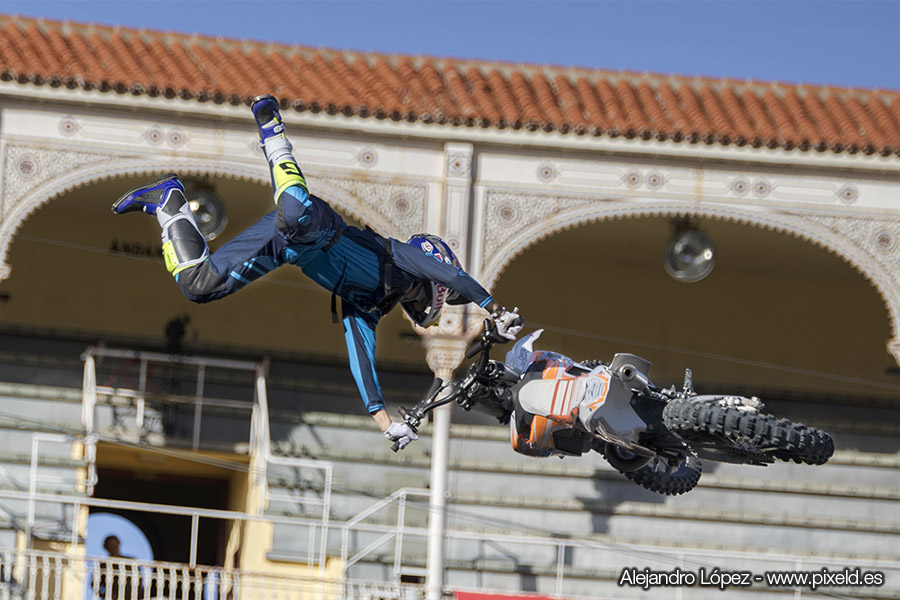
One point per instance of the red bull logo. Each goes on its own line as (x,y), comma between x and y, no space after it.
(440,294)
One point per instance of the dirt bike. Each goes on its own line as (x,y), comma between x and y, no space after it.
(655,437)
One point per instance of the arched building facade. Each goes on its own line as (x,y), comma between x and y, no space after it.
(557,187)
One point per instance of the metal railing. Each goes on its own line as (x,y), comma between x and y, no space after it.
(35,575)
(395,534)
(174,364)
(34,477)
(32,574)
(260,441)
(195,514)
(571,564)
(259,434)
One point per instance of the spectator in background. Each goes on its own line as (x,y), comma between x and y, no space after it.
(118,577)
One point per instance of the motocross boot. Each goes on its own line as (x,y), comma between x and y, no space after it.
(282,166)
(149,197)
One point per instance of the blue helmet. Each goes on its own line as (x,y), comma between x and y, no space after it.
(424,307)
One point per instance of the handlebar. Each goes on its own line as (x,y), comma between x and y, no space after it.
(488,338)
(481,345)
(474,348)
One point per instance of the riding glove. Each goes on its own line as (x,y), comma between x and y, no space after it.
(402,433)
(508,323)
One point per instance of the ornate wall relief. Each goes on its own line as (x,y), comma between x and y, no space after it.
(34,175)
(393,209)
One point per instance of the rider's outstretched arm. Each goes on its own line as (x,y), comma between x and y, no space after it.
(359,332)
(413,260)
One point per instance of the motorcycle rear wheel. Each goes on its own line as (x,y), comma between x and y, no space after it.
(781,438)
(661,476)
(622,459)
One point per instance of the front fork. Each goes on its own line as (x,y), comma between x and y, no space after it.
(438,395)
(483,378)
(484,374)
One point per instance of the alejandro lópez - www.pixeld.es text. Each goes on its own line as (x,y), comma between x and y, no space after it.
(702,577)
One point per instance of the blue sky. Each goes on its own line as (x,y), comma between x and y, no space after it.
(846,43)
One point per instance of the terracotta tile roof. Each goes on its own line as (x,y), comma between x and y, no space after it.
(450,92)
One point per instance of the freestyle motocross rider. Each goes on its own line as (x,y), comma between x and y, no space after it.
(371,274)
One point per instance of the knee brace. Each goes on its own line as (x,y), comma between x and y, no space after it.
(286,173)
(283,168)
(183,244)
(293,212)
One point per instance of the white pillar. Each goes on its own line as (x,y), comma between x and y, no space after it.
(437,507)
(445,351)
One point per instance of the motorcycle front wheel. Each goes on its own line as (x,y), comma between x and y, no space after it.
(779,437)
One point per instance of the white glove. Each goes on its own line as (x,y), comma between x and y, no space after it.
(509,323)
(402,433)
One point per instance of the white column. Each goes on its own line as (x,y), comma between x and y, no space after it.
(445,351)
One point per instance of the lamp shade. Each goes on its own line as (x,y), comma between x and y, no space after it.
(690,256)
(209,211)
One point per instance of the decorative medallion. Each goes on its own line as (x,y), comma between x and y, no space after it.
(28,167)
(453,242)
(761,188)
(740,186)
(508,213)
(458,165)
(655,180)
(885,240)
(546,173)
(848,194)
(154,135)
(175,138)
(634,179)
(68,126)
(401,205)
(367,157)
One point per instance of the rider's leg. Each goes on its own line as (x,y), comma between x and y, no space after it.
(202,277)
(301,218)
(246,258)
(283,167)
(183,244)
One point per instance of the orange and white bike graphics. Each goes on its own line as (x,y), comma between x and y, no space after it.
(555,393)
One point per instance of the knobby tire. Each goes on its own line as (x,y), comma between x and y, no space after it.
(780,438)
(657,477)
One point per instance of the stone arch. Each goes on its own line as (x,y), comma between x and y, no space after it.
(39,193)
(792,224)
